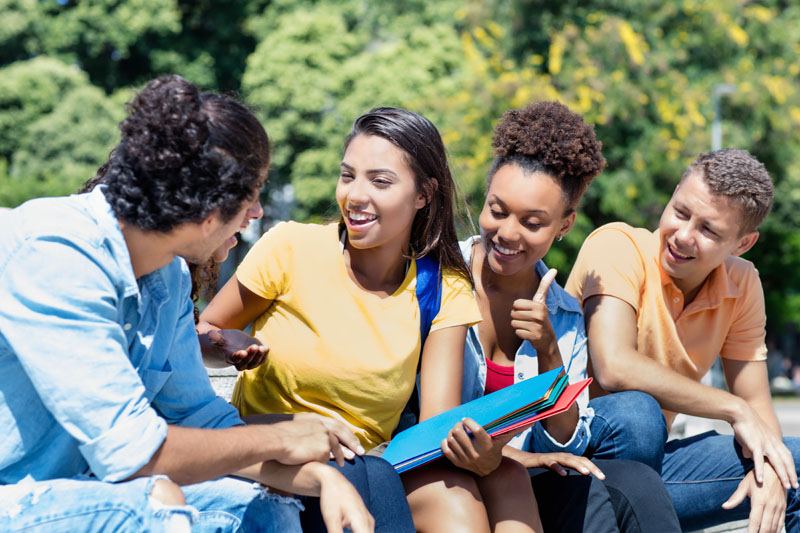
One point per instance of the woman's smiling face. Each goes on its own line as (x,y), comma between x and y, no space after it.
(377,193)
(522,215)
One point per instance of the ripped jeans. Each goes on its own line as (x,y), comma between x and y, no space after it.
(86,504)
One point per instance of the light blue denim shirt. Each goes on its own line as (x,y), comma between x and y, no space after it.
(93,363)
(567,320)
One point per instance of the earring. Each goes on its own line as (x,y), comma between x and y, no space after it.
(559,238)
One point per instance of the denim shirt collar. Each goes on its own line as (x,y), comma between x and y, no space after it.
(101,211)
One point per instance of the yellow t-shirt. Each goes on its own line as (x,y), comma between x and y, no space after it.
(335,349)
(727,317)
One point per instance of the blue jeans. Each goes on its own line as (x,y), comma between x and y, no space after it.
(86,504)
(700,472)
(628,425)
(233,504)
(380,488)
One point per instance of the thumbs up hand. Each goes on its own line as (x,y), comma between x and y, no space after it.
(531,321)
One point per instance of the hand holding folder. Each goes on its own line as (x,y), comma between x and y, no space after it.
(513,408)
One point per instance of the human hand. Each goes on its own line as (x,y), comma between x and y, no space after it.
(531,320)
(348,446)
(341,505)
(767,501)
(312,437)
(478,453)
(559,461)
(758,442)
(238,348)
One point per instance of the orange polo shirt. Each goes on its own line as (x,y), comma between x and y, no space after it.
(726,318)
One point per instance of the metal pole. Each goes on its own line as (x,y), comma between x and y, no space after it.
(717,92)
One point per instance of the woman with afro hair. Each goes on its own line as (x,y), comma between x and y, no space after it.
(545,158)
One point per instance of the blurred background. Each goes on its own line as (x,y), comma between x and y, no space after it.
(661,80)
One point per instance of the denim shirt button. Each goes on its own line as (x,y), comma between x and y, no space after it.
(127,326)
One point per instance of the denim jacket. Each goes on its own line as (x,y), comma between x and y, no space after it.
(567,320)
(93,363)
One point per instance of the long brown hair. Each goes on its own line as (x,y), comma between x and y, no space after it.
(433,230)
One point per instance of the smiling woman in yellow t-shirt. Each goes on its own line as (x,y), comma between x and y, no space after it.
(336,303)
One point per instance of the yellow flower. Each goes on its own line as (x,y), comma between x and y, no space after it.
(556,54)
(632,41)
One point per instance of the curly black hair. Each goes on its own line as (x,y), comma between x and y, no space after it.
(204,283)
(548,137)
(183,155)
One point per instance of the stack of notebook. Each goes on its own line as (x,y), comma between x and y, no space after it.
(510,409)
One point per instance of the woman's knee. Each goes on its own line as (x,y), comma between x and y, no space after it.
(510,476)
(445,499)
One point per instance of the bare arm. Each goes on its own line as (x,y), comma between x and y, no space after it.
(440,390)
(340,503)
(617,365)
(554,461)
(192,455)
(748,380)
(611,329)
(441,371)
(233,308)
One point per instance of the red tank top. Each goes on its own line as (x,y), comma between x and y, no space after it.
(498,376)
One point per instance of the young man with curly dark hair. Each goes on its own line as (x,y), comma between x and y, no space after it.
(103,394)
(660,307)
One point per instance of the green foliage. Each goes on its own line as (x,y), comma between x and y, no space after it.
(123,43)
(55,129)
(320,67)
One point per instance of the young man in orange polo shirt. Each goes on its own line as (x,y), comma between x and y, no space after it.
(660,307)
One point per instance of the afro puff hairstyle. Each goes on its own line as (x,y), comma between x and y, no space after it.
(183,155)
(548,137)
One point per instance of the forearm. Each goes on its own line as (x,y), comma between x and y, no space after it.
(305,480)
(633,371)
(561,427)
(192,455)
(518,455)
(766,411)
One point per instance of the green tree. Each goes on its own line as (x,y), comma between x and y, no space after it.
(56,129)
(124,43)
(643,73)
(321,65)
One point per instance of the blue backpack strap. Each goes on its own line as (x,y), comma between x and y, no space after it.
(429,294)
(429,298)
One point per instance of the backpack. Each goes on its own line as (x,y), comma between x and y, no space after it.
(429,298)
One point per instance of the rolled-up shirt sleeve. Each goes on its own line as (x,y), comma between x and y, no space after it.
(61,318)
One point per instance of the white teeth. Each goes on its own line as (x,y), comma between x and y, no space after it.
(361,216)
(678,254)
(506,251)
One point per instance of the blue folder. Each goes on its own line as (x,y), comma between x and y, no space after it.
(421,443)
